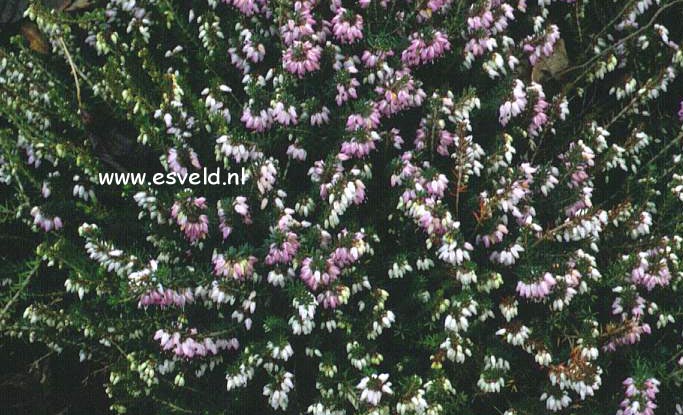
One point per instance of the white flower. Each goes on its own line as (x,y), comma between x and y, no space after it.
(240,379)
(466,278)
(277,392)
(543,358)
(320,409)
(398,270)
(276,279)
(458,353)
(283,352)
(490,385)
(423,264)
(515,336)
(417,404)
(373,387)
(509,309)
(554,403)
(589,353)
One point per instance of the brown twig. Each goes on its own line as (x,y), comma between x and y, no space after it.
(74,72)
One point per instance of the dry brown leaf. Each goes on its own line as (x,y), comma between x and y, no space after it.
(36,40)
(78,5)
(552,65)
(69,5)
(62,5)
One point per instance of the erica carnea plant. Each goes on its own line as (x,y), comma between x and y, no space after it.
(450,207)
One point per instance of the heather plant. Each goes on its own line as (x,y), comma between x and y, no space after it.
(449,207)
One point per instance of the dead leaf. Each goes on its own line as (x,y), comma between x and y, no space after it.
(36,40)
(78,5)
(552,65)
(62,5)
(71,5)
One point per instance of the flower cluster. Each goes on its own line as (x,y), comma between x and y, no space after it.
(639,400)
(448,206)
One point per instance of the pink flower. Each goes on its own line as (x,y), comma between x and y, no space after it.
(370,59)
(539,118)
(329,299)
(247,7)
(253,52)
(515,106)
(176,160)
(652,270)
(301,58)
(45,222)
(242,208)
(494,237)
(166,298)
(399,92)
(437,186)
(347,26)
(238,61)
(238,268)
(423,50)
(639,399)
(258,122)
(537,289)
(360,145)
(296,153)
(542,46)
(194,224)
(284,252)
(477,47)
(267,174)
(396,138)
(300,25)
(314,277)
(633,328)
(347,91)
(284,115)
(438,5)
(482,21)
(321,117)
(363,122)
(223,224)
(189,347)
